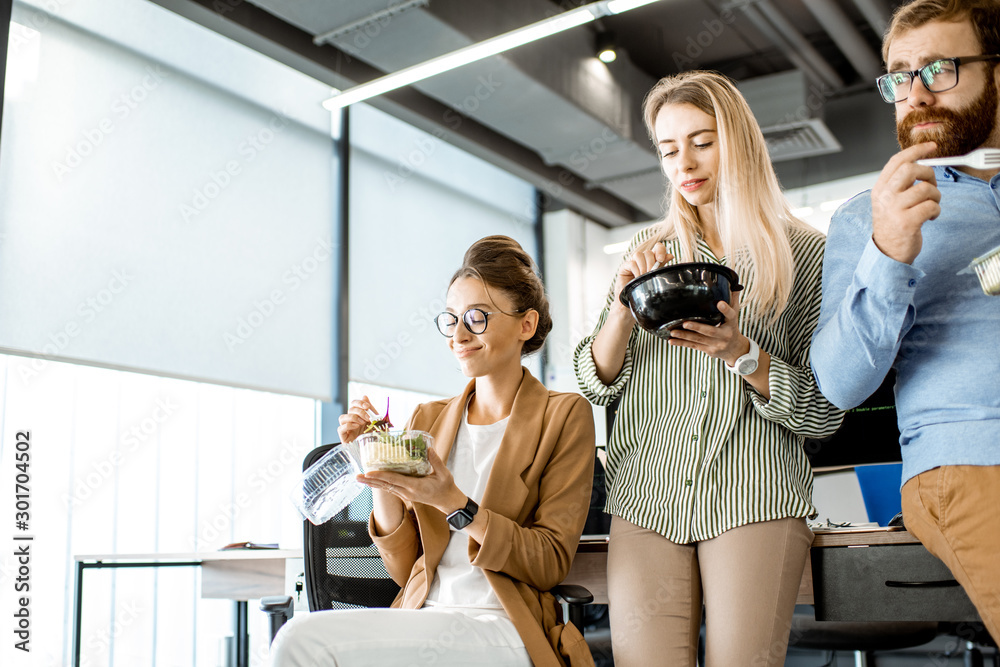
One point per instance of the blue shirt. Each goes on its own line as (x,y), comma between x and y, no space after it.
(936,327)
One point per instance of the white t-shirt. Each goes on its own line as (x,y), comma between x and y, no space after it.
(458,583)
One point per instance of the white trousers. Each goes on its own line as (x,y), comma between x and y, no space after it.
(400,638)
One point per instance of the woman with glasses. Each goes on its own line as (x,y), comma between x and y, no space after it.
(477,544)
(708,482)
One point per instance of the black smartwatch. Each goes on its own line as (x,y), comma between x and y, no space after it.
(461,518)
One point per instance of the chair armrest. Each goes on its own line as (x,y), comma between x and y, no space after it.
(573,594)
(576,597)
(279,608)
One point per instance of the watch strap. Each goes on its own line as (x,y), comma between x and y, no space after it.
(752,355)
(462,517)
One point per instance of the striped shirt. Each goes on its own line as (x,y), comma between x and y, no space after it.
(695,450)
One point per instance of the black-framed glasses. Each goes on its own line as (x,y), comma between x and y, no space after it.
(937,77)
(475,320)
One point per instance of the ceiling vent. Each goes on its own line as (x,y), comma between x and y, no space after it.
(786,106)
(800,139)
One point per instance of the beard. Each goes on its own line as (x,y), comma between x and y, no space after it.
(959,131)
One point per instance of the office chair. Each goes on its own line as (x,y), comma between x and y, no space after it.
(343,569)
(860,638)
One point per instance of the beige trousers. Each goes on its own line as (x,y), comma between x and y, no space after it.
(748,578)
(955,512)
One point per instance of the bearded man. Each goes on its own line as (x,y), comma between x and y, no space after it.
(894,297)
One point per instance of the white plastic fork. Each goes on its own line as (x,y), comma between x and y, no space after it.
(981,158)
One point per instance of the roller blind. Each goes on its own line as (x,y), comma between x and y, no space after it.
(158,215)
(416,204)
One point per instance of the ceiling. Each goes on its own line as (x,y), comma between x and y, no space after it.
(551,113)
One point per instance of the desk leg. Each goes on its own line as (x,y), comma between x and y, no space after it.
(77,614)
(242,634)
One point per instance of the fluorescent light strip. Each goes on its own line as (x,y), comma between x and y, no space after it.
(480,50)
(619,6)
(616,248)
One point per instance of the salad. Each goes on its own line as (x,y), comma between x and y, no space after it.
(401,451)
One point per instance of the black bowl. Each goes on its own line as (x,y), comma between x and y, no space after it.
(663,299)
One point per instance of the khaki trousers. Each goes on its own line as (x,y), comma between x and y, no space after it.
(955,512)
(748,578)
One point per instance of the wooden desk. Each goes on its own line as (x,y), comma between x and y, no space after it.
(851,540)
(242,575)
(589,570)
(238,575)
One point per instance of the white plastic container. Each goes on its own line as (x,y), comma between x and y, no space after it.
(329,485)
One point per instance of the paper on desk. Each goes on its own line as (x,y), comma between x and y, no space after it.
(850,527)
(247,545)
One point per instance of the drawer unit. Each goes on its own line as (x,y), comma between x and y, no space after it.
(886,583)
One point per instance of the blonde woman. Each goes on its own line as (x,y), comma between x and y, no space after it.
(708,483)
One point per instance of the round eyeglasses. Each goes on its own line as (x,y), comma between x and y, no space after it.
(475,320)
(937,77)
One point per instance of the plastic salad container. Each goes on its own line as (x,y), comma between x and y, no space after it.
(400,451)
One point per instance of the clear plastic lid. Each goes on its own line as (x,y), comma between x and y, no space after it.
(328,486)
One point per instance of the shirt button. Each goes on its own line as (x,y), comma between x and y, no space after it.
(704,394)
(911,282)
(688,482)
(694,437)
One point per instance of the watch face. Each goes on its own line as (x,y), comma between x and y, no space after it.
(747,367)
(460,519)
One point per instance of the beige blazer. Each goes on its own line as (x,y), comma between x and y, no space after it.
(535,504)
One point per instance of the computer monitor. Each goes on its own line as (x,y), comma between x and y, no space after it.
(869,434)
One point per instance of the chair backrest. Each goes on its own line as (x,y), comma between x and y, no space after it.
(343,570)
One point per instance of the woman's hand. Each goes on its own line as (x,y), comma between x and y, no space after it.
(724,341)
(635,266)
(357,419)
(437,489)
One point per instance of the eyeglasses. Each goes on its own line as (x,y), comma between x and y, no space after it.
(937,77)
(475,320)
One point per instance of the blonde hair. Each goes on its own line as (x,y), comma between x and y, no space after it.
(752,214)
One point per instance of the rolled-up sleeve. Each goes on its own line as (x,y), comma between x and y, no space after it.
(590,384)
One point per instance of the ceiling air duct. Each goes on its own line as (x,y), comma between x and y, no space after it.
(788,107)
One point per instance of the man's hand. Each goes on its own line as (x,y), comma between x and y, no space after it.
(905,196)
